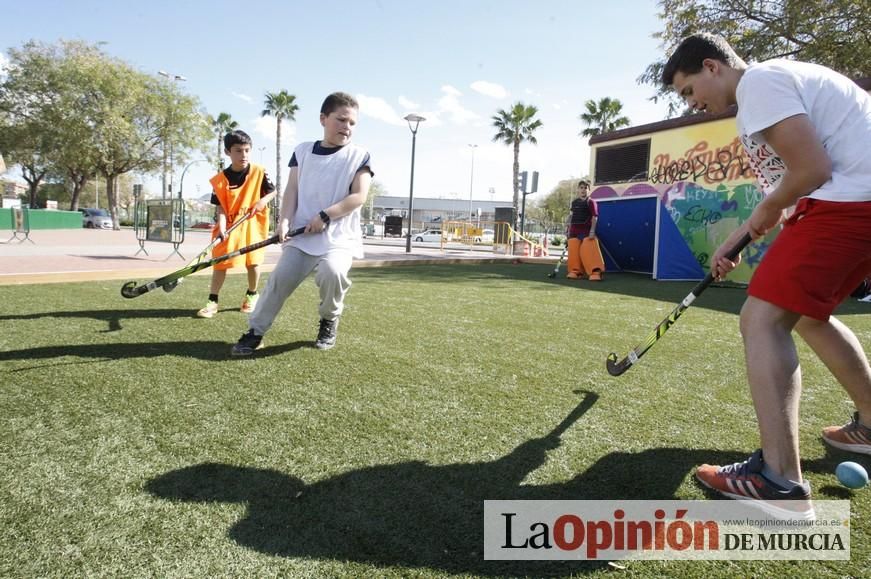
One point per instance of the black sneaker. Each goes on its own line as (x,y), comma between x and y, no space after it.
(247,344)
(327,334)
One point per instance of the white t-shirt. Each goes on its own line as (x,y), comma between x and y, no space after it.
(837,107)
(325,178)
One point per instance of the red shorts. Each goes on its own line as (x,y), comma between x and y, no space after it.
(822,254)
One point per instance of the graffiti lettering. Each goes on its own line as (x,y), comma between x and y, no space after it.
(755,251)
(702,163)
(698,214)
(729,206)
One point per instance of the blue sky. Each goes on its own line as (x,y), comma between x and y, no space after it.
(454,62)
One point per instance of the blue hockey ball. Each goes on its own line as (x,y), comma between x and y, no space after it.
(852,475)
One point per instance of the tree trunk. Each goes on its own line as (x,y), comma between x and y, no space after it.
(79,182)
(279,193)
(278,157)
(516,172)
(112,197)
(33,180)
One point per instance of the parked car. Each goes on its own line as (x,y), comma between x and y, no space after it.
(428,235)
(485,237)
(93,218)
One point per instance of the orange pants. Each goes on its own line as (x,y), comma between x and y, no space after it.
(585,258)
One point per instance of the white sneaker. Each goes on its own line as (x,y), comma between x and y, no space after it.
(210,309)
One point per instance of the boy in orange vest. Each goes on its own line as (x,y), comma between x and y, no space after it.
(239,190)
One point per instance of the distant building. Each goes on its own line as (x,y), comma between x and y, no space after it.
(428,210)
(12,192)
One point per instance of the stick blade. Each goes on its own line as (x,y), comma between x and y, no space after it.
(129,290)
(616,368)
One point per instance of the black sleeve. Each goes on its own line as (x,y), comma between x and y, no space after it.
(293,161)
(267,186)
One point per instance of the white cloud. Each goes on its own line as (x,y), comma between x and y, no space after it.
(243,97)
(380,109)
(450,105)
(490,89)
(449,90)
(408,104)
(264,127)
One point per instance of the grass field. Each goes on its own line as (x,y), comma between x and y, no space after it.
(132,445)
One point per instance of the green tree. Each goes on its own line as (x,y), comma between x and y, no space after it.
(137,117)
(552,210)
(515,126)
(603,117)
(281,105)
(222,125)
(834,33)
(376,189)
(69,111)
(27,96)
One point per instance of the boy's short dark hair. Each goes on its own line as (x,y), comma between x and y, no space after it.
(236,137)
(336,100)
(692,50)
(584,182)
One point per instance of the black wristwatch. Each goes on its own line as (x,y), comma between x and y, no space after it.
(324,217)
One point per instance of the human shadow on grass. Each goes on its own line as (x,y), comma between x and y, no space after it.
(410,514)
(416,515)
(112,317)
(212,351)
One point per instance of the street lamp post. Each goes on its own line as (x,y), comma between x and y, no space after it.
(174,78)
(185,170)
(416,119)
(261,149)
(471,182)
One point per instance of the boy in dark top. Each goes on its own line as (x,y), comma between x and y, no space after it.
(582,224)
(239,190)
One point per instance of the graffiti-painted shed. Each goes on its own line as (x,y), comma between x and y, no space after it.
(697,167)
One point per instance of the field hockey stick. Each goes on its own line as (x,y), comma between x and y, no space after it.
(131,290)
(616,368)
(552,274)
(206,250)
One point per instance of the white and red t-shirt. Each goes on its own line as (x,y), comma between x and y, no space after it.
(837,107)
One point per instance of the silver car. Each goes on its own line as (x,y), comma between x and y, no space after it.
(96,218)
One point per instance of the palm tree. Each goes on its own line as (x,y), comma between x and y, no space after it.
(513,127)
(603,117)
(222,125)
(280,105)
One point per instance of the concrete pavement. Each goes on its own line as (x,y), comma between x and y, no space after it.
(65,255)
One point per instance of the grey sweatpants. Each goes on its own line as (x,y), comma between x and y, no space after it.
(292,268)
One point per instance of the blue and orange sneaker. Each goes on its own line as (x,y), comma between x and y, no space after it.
(745,481)
(853,436)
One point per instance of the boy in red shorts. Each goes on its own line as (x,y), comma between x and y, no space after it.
(807,131)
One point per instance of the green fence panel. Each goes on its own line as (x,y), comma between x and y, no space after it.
(44,219)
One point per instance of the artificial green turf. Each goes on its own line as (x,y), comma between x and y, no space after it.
(131,444)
